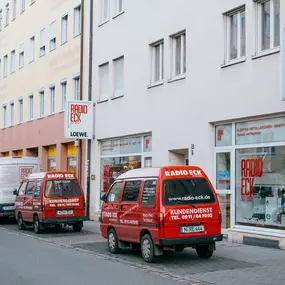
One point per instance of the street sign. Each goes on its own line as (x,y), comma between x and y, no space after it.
(79,120)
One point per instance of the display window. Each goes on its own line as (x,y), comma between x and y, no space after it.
(51,160)
(71,158)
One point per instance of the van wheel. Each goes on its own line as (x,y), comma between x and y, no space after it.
(37,225)
(77,227)
(113,242)
(21,225)
(147,248)
(179,248)
(204,252)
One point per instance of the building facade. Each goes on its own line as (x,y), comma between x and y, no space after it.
(40,43)
(181,84)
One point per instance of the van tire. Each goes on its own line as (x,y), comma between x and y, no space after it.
(147,248)
(113,242)
(21,224)
(77,227)
(37,225)
(204,251)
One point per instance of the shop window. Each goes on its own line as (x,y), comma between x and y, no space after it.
(260,187)
(114,194)
(148,162)
(52,158)
(223,168)
(225,205)
(223,135)
(131,191)
(71,158)
(149,193)
(147,144)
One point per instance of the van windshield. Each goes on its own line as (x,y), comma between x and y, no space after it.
(187,191)
(62,188)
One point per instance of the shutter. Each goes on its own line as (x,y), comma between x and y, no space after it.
(53,30)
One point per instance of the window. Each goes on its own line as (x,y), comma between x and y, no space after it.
(13,62)
(52,99)
(7,15)
(42,42)
(105,10)
(77,21)
(14,7)
(131,191)
(76,88)
(235,34)
(42,103)
(30,188)
(268,23)
(114,193)
(119,77)
(4,116)
(157,62)
(32,49)
(104,82)
(38,188)
(32,2)
(223,171)
(12,114)
(52,42)
(1,20)
(21,110)
(63,87)
(178,54)
(62,188)
(149,193)
(31,107)
(21,56)
(119,7)
(22,189)
(5,71)
(64,23)
(23,5)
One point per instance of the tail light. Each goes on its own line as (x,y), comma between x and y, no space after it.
(220,216)
(160,219)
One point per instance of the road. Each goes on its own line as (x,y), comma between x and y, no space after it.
(65,257)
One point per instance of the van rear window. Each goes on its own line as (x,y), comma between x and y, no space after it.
(187,191)
(62,188)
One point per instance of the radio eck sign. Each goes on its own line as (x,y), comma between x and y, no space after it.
(78,120)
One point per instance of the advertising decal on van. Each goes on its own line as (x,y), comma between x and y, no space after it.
(190,214)
(196,173)
(25,171)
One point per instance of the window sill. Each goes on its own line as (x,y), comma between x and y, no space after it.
(118,14)
(103,23)
(117,97)
(50,115)
(77,36)
(21,67)
(13,19)
(62,111)
(6,25)
(102,101)
(31,61)
(40,118)
(52,49)
(12,72)
(177,78)
(266,53)
(30,120)
(155,84)
(234,62)
(32,3)
(22,12)
(62,44)
(42,55)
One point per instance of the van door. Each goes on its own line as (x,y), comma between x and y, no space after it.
(28,202)
(37,206)
(191,208)
(19,203)
(129,213)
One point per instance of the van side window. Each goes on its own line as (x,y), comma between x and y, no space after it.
(149,193)
(114,194)
(30,188)
(21,191)
(131,191)
(38,188)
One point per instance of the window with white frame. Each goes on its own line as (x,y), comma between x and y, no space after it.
(119,6)
(4,116)
(52,99)
(118,65)
(235,34)
(12,114)
(63,90)
(42,42)
(13,61)
(32,2)
(21,56)
(1,20)
(23,5)
(76,88)
(105,10)
(52,41)
(7,14)
(14,9)
(268,25)
(104,82)
(178,54)
(64,28)
(77,21)
(21,110)
(31,107)
(32,49)
(5,68)
(0,68)
(42,103)
(157,62)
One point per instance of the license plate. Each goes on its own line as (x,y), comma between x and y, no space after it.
(64,212)
(8,208)
(192,229)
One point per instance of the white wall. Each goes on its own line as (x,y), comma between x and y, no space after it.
(178,113)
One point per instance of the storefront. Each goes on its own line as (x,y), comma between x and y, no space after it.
(122,154)
(51,159)
(250,175)
(71,157)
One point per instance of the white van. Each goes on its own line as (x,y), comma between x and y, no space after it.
(12,171)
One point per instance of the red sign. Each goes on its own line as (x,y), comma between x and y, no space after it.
(25,171)
(250,168)
(76,110)
(220,134)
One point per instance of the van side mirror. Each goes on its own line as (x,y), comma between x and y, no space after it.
(15,192)
(103,197)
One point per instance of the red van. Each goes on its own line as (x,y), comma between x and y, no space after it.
(161,208)
(50,199)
